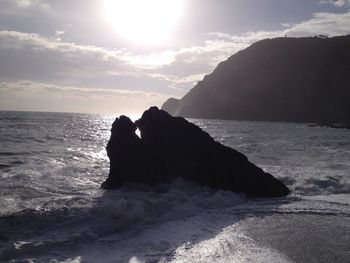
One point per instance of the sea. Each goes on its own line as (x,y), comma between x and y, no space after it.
(53,210)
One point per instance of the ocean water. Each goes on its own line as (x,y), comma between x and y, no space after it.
(53,210)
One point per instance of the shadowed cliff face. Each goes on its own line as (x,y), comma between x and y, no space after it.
(171,148)
(282,79)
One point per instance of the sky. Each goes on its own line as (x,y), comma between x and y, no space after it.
(122,56)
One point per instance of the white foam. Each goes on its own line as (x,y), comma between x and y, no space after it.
(208,237)
(229,246)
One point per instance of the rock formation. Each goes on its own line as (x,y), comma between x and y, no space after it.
(171,147)
(281,79)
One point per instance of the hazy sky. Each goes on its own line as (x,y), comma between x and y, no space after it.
(122,56)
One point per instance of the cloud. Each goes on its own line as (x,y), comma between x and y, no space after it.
(30,95)
(12,40)
(31,56)
(59,34)
(190,64)
(31,3)
(322,23)
(21,7)
(31,41)
(38,58)
(168,72)
(337,3)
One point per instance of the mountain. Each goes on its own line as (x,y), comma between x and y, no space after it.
(281,79)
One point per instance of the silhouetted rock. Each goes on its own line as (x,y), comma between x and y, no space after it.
(281,79)
(171,147)
(123,150)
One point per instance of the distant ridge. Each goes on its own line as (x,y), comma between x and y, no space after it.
(281,79)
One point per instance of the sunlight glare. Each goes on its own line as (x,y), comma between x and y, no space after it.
(145,21)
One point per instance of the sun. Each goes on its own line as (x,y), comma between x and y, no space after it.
(145,21)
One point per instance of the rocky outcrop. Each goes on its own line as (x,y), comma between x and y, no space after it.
(171,147)
(281,79)
(123,150)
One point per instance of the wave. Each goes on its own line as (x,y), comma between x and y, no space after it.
(179,216)
(63,222)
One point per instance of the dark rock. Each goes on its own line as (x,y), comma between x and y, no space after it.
(171,147)
(282,79)
(123,150)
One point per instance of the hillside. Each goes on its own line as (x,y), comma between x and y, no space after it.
(281,79)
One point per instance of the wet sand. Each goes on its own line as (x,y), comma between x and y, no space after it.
(302,238)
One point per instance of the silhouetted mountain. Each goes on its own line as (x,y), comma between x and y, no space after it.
(281,79)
